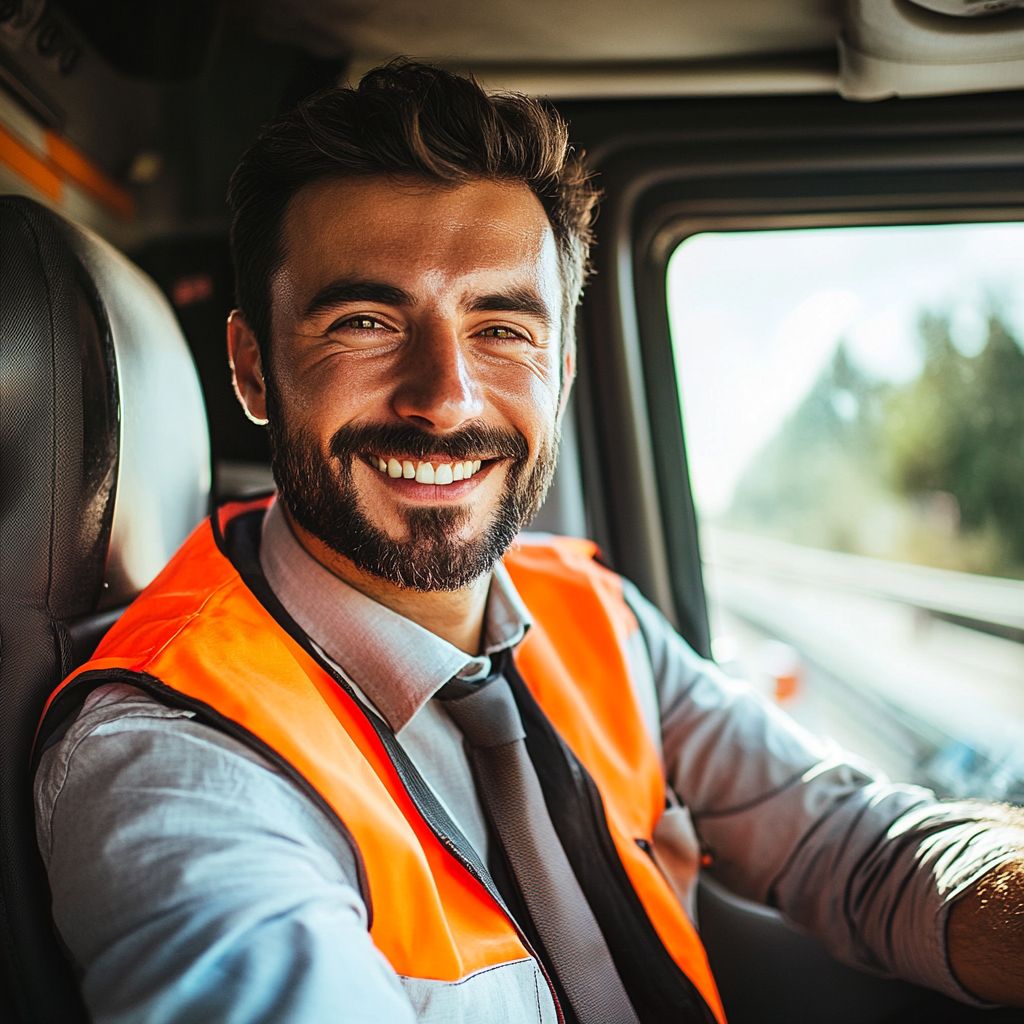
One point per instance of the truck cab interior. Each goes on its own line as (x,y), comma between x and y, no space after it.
(799,415)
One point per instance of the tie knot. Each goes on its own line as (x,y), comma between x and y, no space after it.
(487,715)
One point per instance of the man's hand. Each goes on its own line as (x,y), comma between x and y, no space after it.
(985,937)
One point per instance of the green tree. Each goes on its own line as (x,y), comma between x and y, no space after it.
(814,482)
(931,471)
(959,429)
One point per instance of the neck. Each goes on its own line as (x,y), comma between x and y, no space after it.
(456,616)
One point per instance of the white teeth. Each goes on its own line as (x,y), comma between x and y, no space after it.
(425,472)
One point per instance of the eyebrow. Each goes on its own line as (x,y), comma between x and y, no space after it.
(516,300)
(339,292)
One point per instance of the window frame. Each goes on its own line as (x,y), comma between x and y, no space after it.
(670,169)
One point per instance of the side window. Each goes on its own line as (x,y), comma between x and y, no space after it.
(853,405)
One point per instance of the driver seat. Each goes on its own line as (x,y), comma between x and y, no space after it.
(104,470)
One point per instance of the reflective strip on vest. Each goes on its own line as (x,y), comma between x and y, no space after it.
(199,630)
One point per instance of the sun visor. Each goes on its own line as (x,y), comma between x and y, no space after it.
(930,47)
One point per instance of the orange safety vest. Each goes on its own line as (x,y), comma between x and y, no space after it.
(199,636)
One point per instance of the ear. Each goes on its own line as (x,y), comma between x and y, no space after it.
(246,368)
(568,376)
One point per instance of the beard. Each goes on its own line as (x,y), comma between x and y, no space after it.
(319,491)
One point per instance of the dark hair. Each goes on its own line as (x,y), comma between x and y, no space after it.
(406,120)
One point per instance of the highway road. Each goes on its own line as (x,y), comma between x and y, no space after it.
(919,670)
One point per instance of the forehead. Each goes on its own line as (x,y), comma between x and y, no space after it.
(417,235)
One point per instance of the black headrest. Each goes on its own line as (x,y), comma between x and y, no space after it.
(105,445)
(104,470)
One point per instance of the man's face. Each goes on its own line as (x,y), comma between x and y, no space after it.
(416,368)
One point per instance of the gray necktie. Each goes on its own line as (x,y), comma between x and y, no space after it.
(510,791)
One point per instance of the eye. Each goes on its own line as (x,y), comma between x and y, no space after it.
(500,333)
(360,322)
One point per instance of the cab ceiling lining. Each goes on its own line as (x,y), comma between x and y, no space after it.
(551,31)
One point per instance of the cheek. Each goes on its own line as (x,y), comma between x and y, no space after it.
(549,399)
(539,400)
(329,396)
(528,401)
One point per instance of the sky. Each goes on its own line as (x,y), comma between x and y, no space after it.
(756,315)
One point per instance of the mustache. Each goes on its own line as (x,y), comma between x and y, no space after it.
(466,444)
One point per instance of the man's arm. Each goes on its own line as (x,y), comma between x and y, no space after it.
(986,936)
(870,867)
(191,882)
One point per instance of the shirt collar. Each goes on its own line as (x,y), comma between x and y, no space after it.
(398,664)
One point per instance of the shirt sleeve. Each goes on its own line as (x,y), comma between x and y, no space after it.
(868,866)
(191,882)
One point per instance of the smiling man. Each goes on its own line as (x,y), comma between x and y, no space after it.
(366,752)
(424,362)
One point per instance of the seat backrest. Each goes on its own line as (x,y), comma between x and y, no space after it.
(104,470)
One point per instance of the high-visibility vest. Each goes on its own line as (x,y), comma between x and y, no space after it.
(206,635)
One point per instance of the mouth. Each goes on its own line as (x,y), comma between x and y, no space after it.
(440,472)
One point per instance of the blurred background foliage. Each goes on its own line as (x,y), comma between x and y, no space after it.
(930,472)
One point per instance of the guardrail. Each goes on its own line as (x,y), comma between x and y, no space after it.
(987,603)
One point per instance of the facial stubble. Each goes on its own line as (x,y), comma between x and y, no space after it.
(319,490)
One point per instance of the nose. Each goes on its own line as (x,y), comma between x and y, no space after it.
(436,390)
